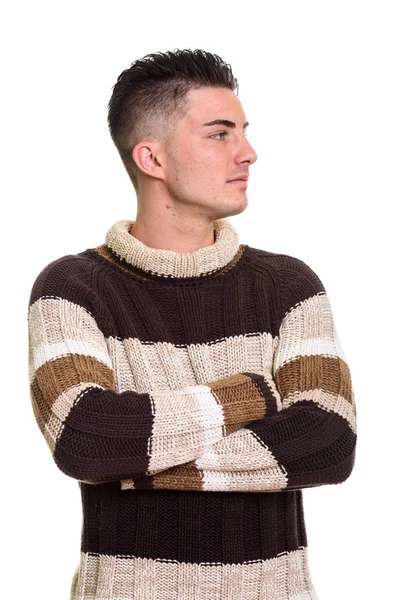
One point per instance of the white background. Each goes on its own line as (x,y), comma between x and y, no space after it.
(319,84)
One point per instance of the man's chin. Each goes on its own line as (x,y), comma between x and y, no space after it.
(239,205)
(231,208)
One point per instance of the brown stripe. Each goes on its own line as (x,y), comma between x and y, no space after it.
(182,477)
(327,373)
(234,427)
(56,376)
(233,393)
(41,409)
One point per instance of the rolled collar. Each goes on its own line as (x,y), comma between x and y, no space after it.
(174,264)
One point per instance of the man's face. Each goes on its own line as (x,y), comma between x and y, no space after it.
(201,158)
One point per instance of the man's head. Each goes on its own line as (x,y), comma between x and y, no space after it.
(159,119)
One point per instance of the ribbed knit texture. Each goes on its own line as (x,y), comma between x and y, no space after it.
(192,395)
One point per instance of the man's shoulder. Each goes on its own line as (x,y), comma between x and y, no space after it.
(285,265)
(68,277)
(292,278)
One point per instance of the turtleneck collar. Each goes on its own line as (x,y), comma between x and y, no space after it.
(203,261)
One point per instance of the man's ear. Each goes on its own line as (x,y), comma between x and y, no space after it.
(148,157)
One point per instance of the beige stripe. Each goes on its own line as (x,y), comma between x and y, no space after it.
(286,577)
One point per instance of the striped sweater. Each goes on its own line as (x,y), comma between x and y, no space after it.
(192,396)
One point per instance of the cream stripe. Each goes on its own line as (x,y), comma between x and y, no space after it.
(47,352)
(310,347)
(242,450)
(258,480)
(216,481)
(163,366)
(241,462)
(285,577)
(246,465)
(308,329)
(177,434)
(339,349)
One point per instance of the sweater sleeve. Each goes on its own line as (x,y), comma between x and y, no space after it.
(311,439)
(96,434)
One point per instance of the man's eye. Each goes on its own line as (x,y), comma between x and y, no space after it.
(222,133)
(226,133)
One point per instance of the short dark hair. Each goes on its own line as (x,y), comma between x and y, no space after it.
(149,98)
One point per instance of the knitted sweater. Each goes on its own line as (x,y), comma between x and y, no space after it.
(193,396)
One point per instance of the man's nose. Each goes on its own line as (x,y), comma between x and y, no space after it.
(247,152)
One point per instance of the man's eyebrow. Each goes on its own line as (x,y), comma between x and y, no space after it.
(224,122)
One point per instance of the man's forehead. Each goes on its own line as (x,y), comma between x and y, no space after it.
(215,107)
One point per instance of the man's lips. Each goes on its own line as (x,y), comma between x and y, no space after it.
(244,178)
(238,181)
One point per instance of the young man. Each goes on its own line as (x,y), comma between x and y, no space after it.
(193,385)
